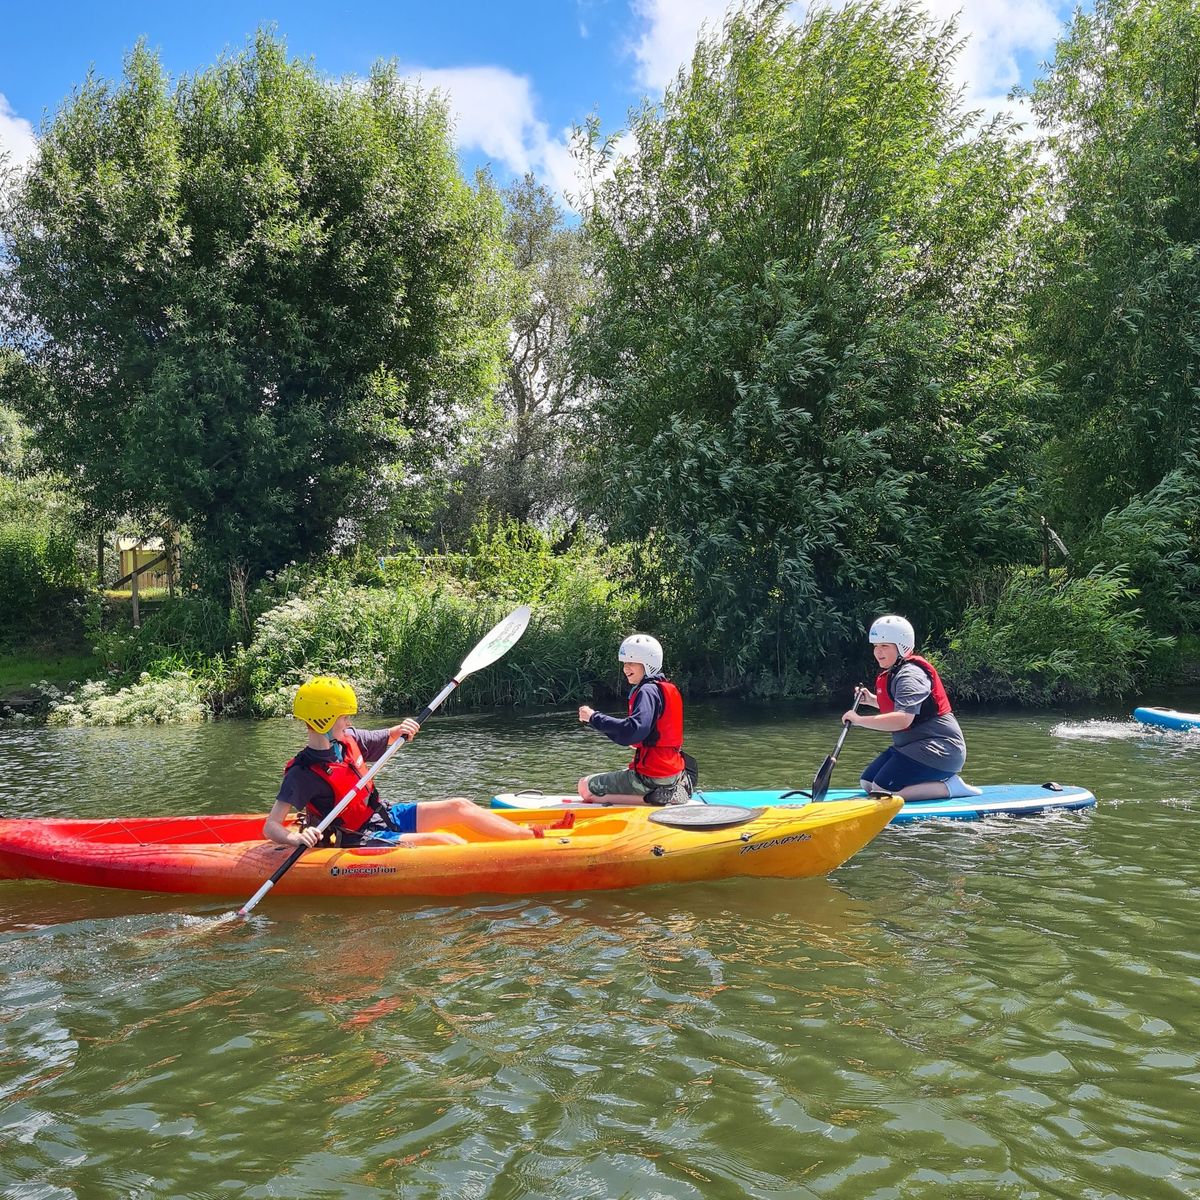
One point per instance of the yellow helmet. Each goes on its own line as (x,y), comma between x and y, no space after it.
(320,701)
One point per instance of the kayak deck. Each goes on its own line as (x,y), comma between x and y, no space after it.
(606,848)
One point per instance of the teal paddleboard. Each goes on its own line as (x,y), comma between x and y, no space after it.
(996,800)
(1167,718)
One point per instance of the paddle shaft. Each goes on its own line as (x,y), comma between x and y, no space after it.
(846,727)
(821,780)
(498,641)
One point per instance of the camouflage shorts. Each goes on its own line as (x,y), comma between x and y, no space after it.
(675,789)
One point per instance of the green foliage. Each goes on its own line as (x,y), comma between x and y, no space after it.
(514,561)
(1041,641)
(188,630)
(1117,309)
(1157,539)
(245,290)
(806,342)
(519,460)
(39,578)
(399,644)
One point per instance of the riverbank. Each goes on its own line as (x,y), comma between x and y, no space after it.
(397,629)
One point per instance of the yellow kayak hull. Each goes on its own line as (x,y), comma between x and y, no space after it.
(606,848)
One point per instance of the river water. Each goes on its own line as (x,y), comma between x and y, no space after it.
(1002,1009)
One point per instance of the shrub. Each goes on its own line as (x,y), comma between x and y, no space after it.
(398,646)
(1044,641)
(1157,538)
(177,697)
(39,571)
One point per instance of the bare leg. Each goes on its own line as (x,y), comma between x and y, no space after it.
(937,790)
(433,815)
(940,789)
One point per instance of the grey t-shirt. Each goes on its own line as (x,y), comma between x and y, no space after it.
(937,742)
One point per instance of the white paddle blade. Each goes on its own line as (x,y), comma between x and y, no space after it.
(498,642)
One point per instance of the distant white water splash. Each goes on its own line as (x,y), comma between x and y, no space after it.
(1101,729)
(1119,731)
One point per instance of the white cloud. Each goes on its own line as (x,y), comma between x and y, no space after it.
(16,135)
(997,31)
(495,112)
(669,36)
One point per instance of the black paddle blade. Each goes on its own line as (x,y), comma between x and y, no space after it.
(824,775)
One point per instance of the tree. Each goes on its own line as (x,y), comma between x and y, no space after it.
(1117,311)
(523,462)
(806,338)
(248,290)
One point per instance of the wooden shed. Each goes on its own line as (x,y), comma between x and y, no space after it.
(135,553)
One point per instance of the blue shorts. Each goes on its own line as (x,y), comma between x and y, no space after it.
(401,817)
(893,770)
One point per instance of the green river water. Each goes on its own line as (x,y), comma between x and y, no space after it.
(997,1009)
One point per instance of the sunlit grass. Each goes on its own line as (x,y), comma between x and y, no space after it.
(144,593)
(22,669)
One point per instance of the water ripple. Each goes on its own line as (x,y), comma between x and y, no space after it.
(1002,1009)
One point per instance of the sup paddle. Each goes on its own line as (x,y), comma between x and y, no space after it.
(821,781)
(495,644)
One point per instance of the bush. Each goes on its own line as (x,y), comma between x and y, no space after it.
(177,697)
(39,573)
(1043,641)
(1157,539)
(398,645)
(188,630)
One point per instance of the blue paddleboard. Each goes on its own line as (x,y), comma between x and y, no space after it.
(1007,800)
(1167,718)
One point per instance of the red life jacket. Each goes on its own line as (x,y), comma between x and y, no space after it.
(340,777)
(658,757)
(936,704)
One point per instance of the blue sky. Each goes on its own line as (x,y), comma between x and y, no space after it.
(518,75)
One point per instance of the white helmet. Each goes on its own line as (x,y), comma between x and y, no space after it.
(897,632)
(642,648)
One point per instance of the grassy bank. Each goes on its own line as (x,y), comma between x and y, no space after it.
(21,670)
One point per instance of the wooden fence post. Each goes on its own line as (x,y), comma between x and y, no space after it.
(133,588)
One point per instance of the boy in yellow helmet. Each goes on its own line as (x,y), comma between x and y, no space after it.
(332,762)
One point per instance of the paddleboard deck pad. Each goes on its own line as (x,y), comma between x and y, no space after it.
(995,800)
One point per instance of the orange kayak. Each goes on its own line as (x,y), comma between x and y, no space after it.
(617,848)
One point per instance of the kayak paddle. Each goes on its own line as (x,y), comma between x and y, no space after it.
(821,780)
(495,644)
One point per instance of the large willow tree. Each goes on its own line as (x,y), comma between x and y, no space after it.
(248,293)
(1119,313)
(810,396)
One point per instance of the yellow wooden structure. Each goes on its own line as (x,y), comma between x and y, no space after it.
(136,554)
